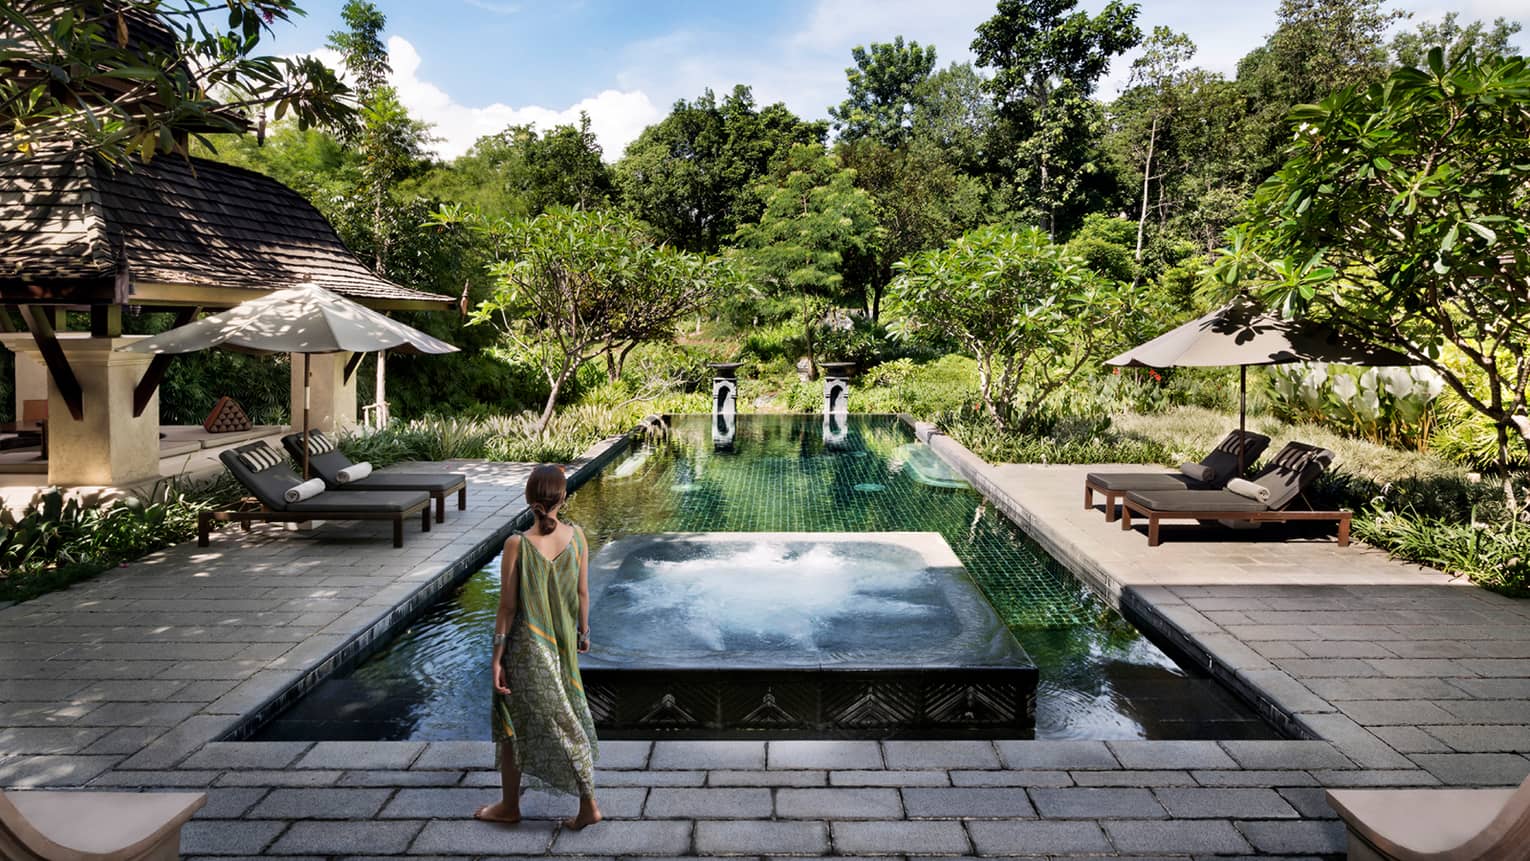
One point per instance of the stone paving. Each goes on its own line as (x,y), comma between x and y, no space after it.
(1393,674)
(142,666)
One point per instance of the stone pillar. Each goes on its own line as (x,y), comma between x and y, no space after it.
(332,400)
(31,381)
(107,445)
(836,387)
(724,403)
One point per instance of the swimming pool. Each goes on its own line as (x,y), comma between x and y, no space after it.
(1099,678)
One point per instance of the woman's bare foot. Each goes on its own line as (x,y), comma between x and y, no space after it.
(499,811)
(588,815)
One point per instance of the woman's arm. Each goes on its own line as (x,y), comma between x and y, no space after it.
(509,594)
(584,591)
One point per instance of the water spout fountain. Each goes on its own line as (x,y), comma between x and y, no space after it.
(724,403)
(836,387)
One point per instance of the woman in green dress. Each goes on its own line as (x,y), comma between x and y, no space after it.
(542,725)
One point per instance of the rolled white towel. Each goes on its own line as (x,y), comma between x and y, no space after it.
(354,472)
(1257,492)
(1198,471)
(306,490)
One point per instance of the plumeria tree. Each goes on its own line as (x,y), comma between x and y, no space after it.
(139,76)
(571,285)
(1031,314)
(1402,216)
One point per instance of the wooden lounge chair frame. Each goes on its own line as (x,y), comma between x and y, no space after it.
(266,514)
(1228,446)
(1130,507)
(293,443)
(1423,824)
(1298,463)
(94,826)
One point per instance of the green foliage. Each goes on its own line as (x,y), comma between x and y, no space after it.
(129,78)
(1047,60)
(1400,218)
(519,172)
(1065,441)
(57,540)
(1031,314)
(1495,554)
(1477,38)
(923,390)
(692,176)
(361,47)
(1391,406)
(884,85)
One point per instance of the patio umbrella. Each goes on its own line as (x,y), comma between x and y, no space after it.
(305,319)
(1242,334)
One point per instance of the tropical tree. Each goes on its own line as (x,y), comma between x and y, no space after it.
(1479,38)
(1403,217)
(1031,314)
(145,76)
(1156,75)
(571,285)
(1047,60)
(954,114)
(692,175)
(816,226)
(884,89)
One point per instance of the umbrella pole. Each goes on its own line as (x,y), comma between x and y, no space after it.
(1242,417)
(305,416)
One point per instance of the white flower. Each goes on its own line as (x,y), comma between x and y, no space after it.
(1397,382)
(1345,388)
(1368,405)
(1428,384)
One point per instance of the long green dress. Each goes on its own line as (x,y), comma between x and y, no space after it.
(545,720)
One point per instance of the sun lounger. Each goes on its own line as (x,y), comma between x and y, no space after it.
(265,474)
(94,826)
(1435,824)
(1282,480)
(1221,464)
(326,461)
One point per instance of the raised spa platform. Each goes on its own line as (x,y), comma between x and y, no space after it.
(878,634)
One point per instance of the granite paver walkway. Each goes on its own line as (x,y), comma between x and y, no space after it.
(1415,675)
(140,667)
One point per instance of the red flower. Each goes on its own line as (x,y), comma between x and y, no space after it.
(1156,377)
(1116,371)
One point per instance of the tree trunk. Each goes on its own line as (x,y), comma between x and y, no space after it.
(621,358)
(613,370)
(1503,469)
(1147,174)
(552,398)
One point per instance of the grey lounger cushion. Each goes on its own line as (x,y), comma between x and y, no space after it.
(1223,461)
(327,465)
(1287,474)
(1193,500)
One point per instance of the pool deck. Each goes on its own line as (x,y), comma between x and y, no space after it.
(1397,676)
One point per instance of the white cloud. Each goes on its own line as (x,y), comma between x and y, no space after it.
(616,116)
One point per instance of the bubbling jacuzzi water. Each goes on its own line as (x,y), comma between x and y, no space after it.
(768,596)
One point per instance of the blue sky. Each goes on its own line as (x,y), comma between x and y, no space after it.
(471,67)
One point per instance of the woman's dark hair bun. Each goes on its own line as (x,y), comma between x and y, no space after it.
(546,489)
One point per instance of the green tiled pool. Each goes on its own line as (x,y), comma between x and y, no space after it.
(1099,677)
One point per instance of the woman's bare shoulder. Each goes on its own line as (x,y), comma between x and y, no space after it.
(513,542)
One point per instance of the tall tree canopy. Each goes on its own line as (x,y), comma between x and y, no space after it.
(1480,38)
(138,76)
(884,88)
(692,175)
(1047,60)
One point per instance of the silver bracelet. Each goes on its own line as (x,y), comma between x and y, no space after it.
(499,640)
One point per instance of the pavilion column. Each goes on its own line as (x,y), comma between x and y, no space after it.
(332,399)
(31,381)
(107,445)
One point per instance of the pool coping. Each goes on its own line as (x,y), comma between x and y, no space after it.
(362,644)
(1135,606)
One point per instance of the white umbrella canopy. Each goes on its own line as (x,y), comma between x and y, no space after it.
(305,319)
(1241,334)
(302,319)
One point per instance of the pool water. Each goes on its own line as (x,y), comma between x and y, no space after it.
(1099,677)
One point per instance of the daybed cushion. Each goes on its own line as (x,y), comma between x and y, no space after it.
(379,481)
(1119,481)
(338,502)
(1194,500)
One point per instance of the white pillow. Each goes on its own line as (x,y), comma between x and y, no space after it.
(354,472)
(1257,492)
(306,490)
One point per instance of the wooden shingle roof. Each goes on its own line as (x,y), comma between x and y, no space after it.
(72,226)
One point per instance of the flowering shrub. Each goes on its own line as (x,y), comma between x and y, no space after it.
(1390,406)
